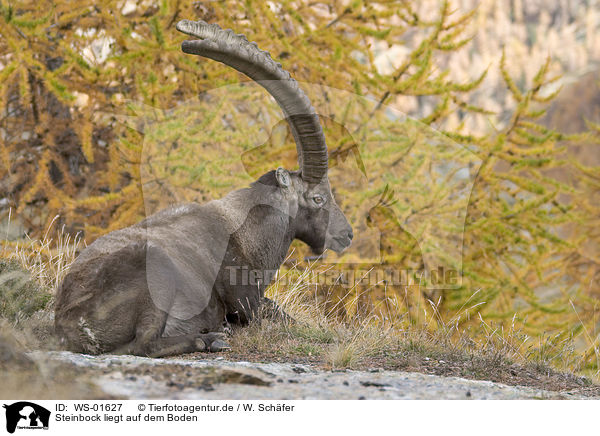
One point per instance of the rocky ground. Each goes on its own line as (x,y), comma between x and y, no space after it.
(130,377)
(260,366)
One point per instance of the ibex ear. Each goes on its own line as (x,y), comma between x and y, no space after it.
(283,177)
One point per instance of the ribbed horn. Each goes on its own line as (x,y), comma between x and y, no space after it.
(237,52)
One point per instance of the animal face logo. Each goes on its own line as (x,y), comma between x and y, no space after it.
(26,415)
(403,186)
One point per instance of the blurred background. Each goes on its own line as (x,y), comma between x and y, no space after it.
(462,135)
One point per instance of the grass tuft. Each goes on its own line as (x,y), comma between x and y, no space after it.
(20,294)
(46,259)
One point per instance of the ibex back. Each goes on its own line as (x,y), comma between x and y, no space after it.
(167,284)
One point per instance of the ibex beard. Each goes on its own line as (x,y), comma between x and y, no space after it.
(163,286)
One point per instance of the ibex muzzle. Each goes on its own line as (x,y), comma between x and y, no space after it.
(167,284)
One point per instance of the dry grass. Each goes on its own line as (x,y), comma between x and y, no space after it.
(30,272)
(46,259)
(318,336)
(365,341)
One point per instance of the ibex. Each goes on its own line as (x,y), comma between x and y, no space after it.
(167,284)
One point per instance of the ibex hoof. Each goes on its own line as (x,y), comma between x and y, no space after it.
(219,345)
(213,342)
(201,345)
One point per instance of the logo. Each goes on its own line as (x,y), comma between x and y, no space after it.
(26,415)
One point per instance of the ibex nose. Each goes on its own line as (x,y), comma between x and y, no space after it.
(350,234)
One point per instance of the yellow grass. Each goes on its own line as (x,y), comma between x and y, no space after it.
(47,259)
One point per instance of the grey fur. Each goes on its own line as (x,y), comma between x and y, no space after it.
(168,284)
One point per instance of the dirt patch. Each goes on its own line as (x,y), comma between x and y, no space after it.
(181,377)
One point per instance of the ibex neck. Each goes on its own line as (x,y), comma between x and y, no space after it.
(263,231)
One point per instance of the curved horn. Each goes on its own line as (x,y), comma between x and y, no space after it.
(237,52)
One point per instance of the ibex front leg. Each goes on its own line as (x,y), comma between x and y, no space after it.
(173,345)
(149,342)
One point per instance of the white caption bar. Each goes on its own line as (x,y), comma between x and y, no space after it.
(149,417)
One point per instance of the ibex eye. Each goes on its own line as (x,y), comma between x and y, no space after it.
(318,199)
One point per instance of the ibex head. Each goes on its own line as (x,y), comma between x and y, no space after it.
(318,220)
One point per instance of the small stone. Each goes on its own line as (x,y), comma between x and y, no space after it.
(173,384)
(373,384)
(81,99)
(206,387)
(129,7)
